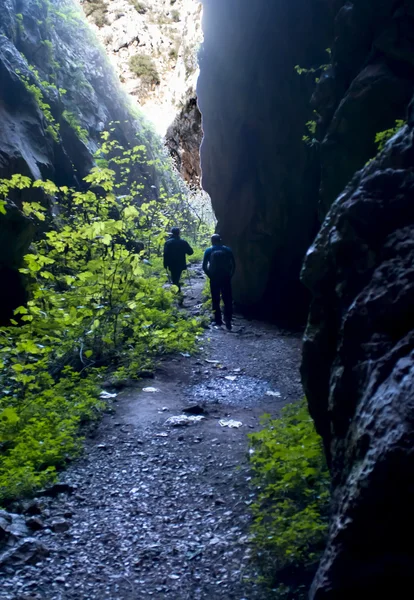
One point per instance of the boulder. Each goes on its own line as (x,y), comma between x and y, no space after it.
(26,551)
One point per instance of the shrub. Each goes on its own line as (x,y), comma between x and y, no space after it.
(74,123)
(97,9)
(94,304)
(175,15)
(140,7)
(382,138)
(291,509)
(144,67)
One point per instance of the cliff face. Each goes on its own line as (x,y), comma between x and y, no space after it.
(57,95)
(268,186)
(358,370)
(183,140)
(263,180)
(367,87)
(359,345)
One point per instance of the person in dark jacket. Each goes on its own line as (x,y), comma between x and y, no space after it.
(175,251)
(219,266)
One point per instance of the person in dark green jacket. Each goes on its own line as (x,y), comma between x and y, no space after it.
(175,252)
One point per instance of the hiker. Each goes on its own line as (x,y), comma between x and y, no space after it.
(219,266)
(175,251)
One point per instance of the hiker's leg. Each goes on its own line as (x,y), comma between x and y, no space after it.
(215,297)
(227,300)
(175,278)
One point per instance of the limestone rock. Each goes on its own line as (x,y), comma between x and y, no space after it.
(358,371)
(183,139)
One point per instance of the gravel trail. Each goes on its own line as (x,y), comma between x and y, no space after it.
(156,511)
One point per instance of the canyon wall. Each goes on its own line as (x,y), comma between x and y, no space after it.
(262,178)
(271,191)
(358,358)
(270,181)
(58,94)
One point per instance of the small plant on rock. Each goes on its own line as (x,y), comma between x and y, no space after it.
(292,506)
(144,67)
(382,138)
(140,7)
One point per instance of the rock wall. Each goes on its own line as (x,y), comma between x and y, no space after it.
(358,370)
(366,88)
(262,178)
(358,367)
(57,94)
(183,140)
(268,187)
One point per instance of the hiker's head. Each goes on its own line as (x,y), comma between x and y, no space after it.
(216,239)
(175,232)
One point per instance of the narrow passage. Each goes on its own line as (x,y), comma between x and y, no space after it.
(157,511)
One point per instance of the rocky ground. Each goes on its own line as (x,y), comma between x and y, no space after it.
(157,510)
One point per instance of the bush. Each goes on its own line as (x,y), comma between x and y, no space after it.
(144,67)
(74,123)
(140,7)
(384,136)
(292,505)
(97,9)
(94,304)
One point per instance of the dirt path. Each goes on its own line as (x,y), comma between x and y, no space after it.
(163,512)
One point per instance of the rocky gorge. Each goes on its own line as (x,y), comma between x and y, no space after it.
(306,113)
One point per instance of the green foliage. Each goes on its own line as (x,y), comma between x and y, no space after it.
(173,52)
(175,15)
(73,121)
(97,9)
(311,125)
(291,509)
(144,67)
(38,429)
(310,139)
(94,303)
(312,70)
(35,90)
(382,138)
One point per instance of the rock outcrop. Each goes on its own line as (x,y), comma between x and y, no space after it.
(262,179)
(358,371)
(57,95)
(358,357)
(183,140)
(365,90)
